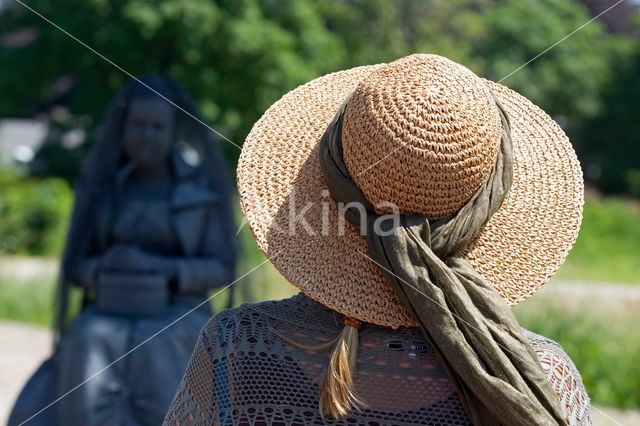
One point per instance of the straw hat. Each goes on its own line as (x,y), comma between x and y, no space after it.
(421,133)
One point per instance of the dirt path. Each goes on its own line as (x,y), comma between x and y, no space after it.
(599,290)
(24,347)
(603,416)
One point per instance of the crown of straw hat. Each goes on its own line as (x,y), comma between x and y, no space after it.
(420,133)
(436,128)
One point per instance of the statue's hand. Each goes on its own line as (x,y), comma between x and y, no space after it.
(128,258)
(133,259)
(113,258)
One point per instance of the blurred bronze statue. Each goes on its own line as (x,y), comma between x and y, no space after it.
(152,232)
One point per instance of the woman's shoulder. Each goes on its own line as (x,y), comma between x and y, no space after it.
(552,356)
(298,310)
(563,376)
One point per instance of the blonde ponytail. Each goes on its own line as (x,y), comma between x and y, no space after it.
(338,395)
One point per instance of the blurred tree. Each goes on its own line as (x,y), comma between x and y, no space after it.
(617,19)
(234,56)
(568,79)
(494,39)
(611,149)
(34,214)
(62,150)
(238,56)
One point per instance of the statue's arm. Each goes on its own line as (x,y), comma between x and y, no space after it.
(86,272)
(195,274)
(192,274)
(85,269)
(215,267)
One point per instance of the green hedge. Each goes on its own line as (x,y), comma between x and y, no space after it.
(603,344)
(608,246)
(33,214)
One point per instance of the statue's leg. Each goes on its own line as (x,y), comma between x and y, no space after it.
(95,392)
(157,367)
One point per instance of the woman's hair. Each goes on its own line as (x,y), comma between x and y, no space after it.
(338,395)
(107,156)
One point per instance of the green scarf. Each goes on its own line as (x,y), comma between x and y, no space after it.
(476,337)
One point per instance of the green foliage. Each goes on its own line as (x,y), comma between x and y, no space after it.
(239,56)
(494,39)
(30,302)
(33,301)
(34,215)
(55,158)
(610,146)
(608,246)
(567,78)
(602,344)
(236,57)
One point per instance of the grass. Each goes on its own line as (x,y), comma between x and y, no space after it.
(32,301)
(603,344)
(608,246)
(29,302)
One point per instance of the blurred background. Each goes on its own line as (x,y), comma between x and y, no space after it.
(236,57)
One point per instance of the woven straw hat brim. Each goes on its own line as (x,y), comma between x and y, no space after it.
(279,177)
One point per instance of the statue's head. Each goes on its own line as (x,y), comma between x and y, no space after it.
(152,121)
(149,127)
(149,131)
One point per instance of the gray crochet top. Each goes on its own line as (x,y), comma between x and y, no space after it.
(243,373)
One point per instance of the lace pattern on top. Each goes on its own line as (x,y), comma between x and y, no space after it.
(243,373)
(564,378)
